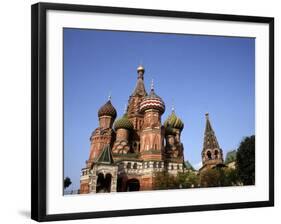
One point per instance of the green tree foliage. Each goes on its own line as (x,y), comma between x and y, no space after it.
(218,177)
(231,177)
(187,180)
(210,178)
(230,157)
(164,180)
(66,182)
(245,161)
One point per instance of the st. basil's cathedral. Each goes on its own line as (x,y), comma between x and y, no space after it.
(125,154)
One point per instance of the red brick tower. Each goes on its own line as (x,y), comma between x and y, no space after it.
(151,135)
(174,148)
(100,138)
(133,110)
(104,134)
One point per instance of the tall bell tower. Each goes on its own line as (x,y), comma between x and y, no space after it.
(212,153)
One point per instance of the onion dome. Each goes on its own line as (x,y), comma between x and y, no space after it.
(124,123)
(152,101)
(107,110)
(173,122)
(169,131)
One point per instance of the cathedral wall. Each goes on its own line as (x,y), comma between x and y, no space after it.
(151,119)
(84,188)
(122,134)
(146,183)
(151,139)
(137,122)
(98,142)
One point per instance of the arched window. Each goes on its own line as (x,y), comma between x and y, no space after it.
(107,186)
(103,183)
(154,165)
(129,165)
(135,166)
(209,155)
(133,185)
(216,154)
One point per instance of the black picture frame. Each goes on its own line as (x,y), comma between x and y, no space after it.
(38,108)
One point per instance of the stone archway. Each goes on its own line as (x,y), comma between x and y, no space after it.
(132,185)
(103,183)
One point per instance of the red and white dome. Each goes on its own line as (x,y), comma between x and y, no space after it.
(152,101)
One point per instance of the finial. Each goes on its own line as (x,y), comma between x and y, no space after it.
(152,85)
(140,68)
(207,115)
(109,96)
(173,106)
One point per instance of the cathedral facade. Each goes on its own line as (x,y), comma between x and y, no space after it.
(126,153)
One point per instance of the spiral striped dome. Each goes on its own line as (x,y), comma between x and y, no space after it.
(152,101)
(124,123)
(107,110)
(174,122)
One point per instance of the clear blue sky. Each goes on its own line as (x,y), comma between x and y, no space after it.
(198,73)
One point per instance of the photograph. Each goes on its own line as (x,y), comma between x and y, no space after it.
(147,111)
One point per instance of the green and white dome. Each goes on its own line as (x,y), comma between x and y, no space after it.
(124,123)
(173,122)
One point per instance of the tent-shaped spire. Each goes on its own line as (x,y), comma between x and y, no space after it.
(210,140)
(208,127)
(140,89)
(105,156)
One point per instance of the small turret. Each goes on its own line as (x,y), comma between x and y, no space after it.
(107,114)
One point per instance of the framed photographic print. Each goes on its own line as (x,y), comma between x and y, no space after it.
(139,111)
